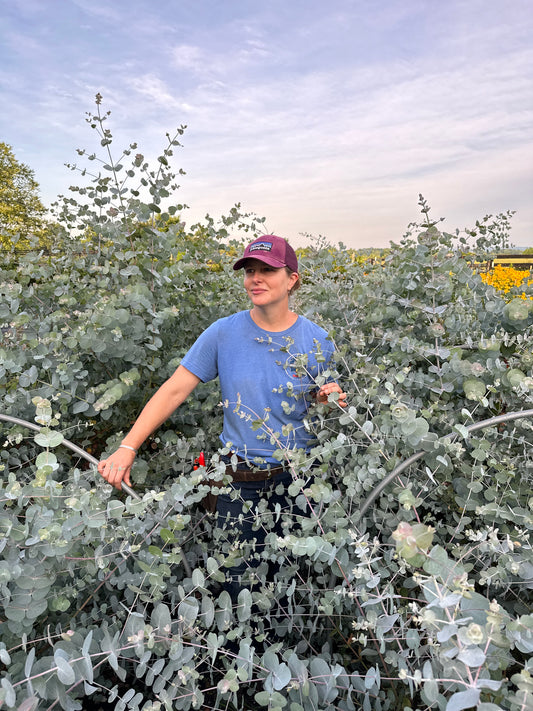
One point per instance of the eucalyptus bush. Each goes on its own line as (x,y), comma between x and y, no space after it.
(420,601)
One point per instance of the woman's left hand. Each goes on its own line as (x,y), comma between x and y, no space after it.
(327,389)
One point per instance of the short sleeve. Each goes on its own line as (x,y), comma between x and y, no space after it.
(202,358)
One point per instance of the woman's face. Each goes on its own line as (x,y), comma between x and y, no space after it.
(266,285)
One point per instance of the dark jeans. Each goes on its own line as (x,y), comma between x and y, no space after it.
(245,517)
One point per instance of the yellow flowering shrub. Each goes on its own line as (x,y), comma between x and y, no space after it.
(506,278)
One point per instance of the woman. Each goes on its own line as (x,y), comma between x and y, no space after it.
(267,360)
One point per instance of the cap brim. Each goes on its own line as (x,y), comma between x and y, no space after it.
(239,264)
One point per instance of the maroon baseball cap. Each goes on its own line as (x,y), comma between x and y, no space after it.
(272,250)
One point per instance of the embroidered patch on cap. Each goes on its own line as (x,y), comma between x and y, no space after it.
(263,246)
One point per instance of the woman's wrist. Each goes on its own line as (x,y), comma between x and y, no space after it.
(128,446)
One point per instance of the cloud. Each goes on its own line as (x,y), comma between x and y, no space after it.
(102,11)
(152,87)
(186,56)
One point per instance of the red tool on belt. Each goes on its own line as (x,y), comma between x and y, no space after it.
(199,461)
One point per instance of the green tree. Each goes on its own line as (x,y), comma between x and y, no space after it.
(21,211)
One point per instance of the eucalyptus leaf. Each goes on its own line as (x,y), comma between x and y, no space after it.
(463,700)
(65,672)
(472,656)
(48,438)
(281,677)
(9,691)
(188,610)
(29,662)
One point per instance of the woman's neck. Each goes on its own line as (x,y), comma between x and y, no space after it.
(273,319)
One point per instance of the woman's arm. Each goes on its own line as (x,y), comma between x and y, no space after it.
(161,405)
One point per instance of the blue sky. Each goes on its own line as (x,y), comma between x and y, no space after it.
(326,118)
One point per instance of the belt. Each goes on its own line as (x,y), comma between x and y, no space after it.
(249,474)
(209,502)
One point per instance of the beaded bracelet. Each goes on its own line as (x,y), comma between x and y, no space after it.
(127,446)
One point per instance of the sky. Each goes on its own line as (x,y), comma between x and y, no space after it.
(326,118)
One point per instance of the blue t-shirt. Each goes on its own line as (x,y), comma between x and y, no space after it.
(263,375)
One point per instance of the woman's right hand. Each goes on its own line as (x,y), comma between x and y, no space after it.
(117,467)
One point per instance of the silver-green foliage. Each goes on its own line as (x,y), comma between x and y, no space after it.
(423,602)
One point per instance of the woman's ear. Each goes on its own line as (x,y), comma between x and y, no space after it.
(294,282)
